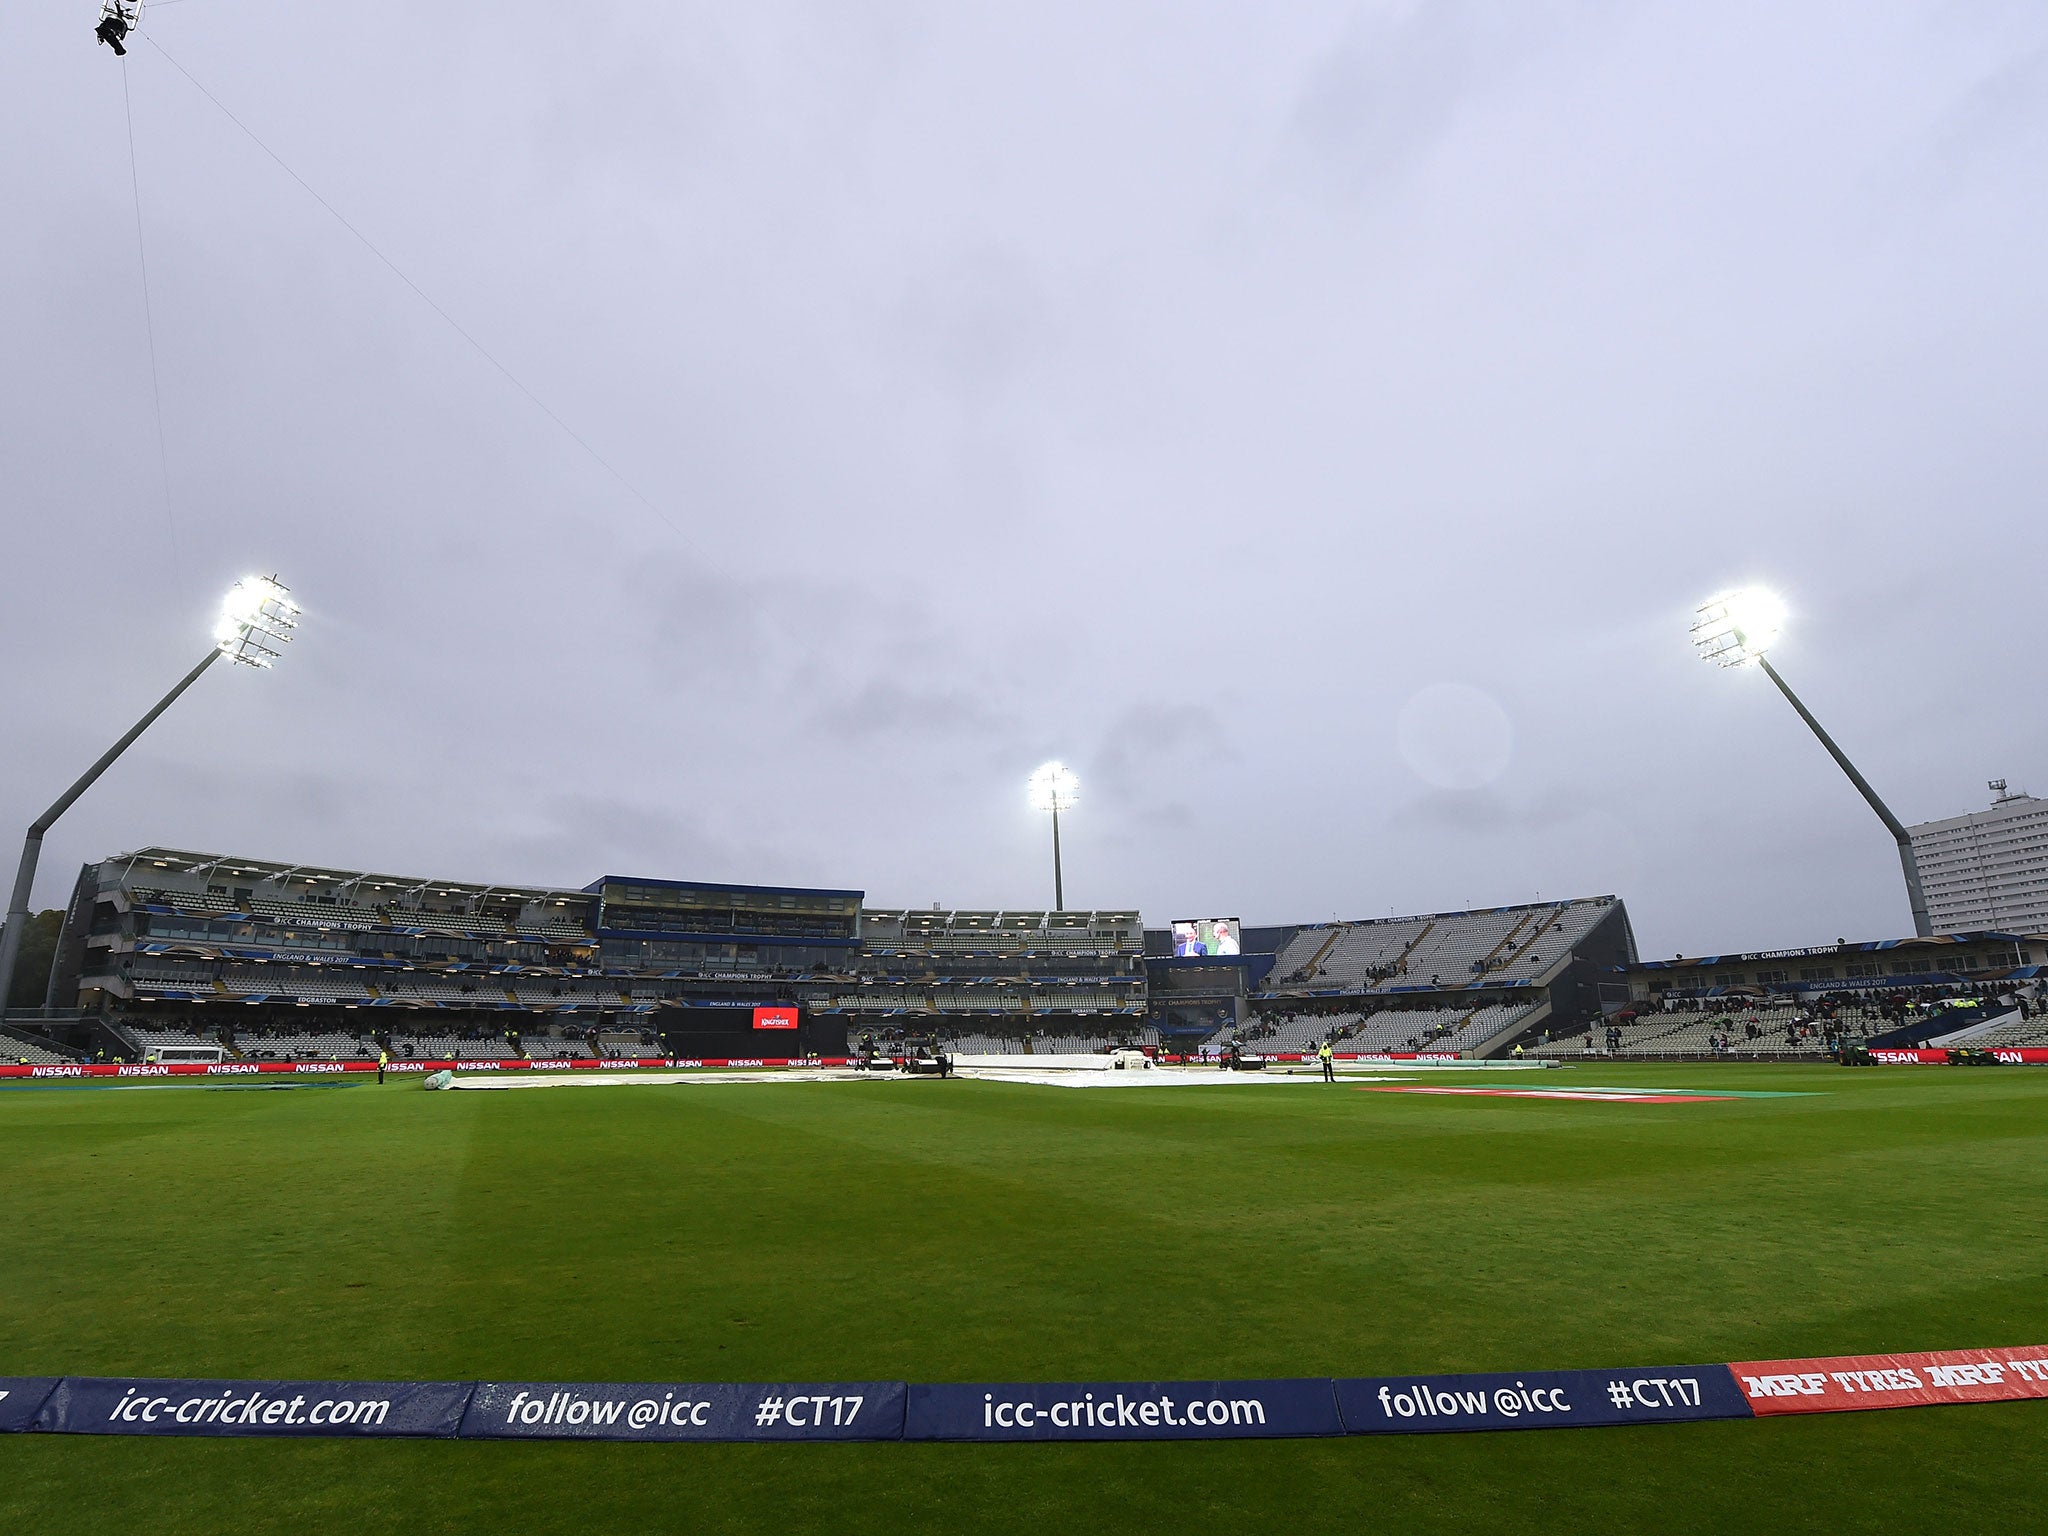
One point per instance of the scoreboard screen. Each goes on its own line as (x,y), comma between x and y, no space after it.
(1208,936)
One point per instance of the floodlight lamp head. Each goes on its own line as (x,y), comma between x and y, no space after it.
(257,618)
(1735,629)
(1053,787)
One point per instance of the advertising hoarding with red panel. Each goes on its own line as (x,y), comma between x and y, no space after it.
(775,1018)
(1849,1382)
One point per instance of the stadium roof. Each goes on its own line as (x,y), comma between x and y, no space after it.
(229,865)
(1870,946)
(719,887)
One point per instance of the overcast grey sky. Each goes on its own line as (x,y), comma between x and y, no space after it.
(1315,423)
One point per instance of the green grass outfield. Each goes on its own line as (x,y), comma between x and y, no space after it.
(942,1231)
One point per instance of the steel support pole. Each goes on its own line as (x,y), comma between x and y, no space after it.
(32,845)
(1059,889)
(1908,864)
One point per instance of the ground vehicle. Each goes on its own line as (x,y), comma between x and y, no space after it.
(169,1055)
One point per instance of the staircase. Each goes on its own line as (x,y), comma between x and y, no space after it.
(1315,963)
(1501,1039)
(1401,962)
(1507,943)
(128,1045)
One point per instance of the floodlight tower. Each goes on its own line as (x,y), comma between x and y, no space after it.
(1054,788)
(1736,629)
(257,618)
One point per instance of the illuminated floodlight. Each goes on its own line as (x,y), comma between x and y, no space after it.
(1735,629)
(257,618)
(1738,629)
(1053,787)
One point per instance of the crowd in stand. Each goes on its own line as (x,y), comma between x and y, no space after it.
(1796,1023)
(1035,1040)
(1372,975)
(1347,1022)
(1897,1004)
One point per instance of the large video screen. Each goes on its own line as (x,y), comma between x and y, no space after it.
(775,1018)
(1208,936)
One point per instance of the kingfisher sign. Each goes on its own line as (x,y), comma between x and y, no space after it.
(775,1018)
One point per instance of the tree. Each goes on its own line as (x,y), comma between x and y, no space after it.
(38,952)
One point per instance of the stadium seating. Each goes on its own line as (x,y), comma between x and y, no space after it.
(300,983)
(478,993)
(1043,1042)
(339,913)
(1002,933)
(449,1048)
(183,901)
(2030,1032)
(326,1045)
(971,1043)
(336,914)
(1298,1032)
(14,1051)
(1293,961)
(1483,1025)
(1363,950)
(1073,976)
(1693,1033)
(1454,949)
(1384,1029)
(152,1039)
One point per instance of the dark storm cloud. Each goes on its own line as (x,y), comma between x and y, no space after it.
(976,325)
(1489,812)
(1386,91)
(1149,762)
(1182,393)
(611,835)
(1149,741)
(888,710)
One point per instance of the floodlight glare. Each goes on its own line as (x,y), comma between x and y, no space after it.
(1053,787)
(1737,628)
(257,618)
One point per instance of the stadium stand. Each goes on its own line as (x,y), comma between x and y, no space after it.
(975,965)
(20,1052)
(1044,1042)
(1406,1028)
(949,933)
(328,1045)
(288,960)
(1759,1029)
(300,959)
(1451,949)
(1485,1025)
(155,1039)
(1464,982)
(972,1043)
(410,1047)
(2029,1031)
